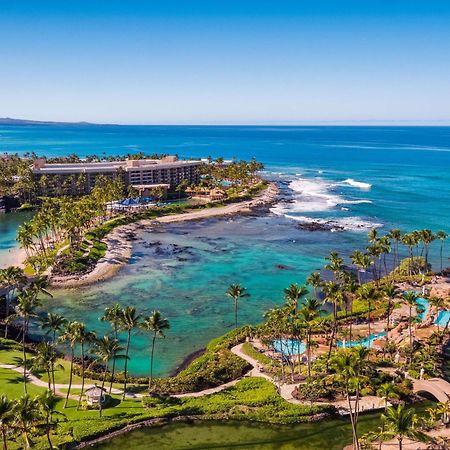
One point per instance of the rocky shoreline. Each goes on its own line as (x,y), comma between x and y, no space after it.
(119,244)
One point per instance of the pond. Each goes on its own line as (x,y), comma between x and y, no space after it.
(330,434)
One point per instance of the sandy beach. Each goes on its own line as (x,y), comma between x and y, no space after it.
(119,241)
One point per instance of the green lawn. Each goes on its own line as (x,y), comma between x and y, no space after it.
(250,399)
(11,384)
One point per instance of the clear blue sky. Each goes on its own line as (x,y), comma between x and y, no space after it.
(217,61)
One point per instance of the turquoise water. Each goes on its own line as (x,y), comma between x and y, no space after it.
(424,307)
(289,347)
(352,177)
(9,223)
(443,318)
(365,342)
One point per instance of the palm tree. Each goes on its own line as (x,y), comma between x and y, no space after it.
(410,299)
(439,303)
(236,292)
(315,281)
(387,392)
(410,240)
(443,410)
(113,315)
(27,303)
(128,322)
(26,413)
(107,349)
(292,294)
(156,324)
(45,360)
(14,278)
(369,294)
(389,291)
(349,366)
(442,236)
(6,406)
(335,264)
(309,312)
(83,337)
(47,405)
(53,323)
(71,336)
(399,422)
(333,295)
(427,238)
(396,235)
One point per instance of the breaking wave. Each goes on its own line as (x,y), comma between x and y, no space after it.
(357,184)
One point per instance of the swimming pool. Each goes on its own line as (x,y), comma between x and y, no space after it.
(289,347)
(365,342)
(425,306)
(443,318)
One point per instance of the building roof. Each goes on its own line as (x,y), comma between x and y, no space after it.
(42,167)
(95,391)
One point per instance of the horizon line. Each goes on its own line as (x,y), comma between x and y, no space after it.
(378,122)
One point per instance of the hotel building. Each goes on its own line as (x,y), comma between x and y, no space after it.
(76,178)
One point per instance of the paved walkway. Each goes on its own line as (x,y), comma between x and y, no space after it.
(33,379)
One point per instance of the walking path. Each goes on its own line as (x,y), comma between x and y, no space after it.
(436,386)
(33,379)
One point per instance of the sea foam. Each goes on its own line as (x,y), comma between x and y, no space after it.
(357,184)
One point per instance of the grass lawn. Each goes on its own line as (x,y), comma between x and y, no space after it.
(11,384)
(250,399)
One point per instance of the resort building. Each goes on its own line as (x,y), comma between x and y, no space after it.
(143,174)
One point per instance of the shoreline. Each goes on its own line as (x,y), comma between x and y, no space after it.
(119,240)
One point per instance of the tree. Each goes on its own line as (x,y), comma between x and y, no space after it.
(439,303)
(113,315)
(334,296)
(389,291)
(387,392)
(427,238)
(443,410)
(6,417)
(315,281)
(14,278)
(292,294)
(399,422)
(309,312)
(410,300)
(107,349)
(410,240)
(47,406)
(128,322)
(53,323)
(71,336)
(349,366)
(26,414)
(236,292)
(396,235)
(46,359)
(369,294)
(156,324)
(442,236)
(27,303)
(335,264)
(83,337)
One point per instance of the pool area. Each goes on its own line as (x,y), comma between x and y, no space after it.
(424,307)
(443,318)
(365,342)
(289,347)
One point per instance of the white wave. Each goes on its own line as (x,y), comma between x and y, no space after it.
(357,184)
(344,223)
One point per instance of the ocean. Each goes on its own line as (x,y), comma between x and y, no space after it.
(350,178)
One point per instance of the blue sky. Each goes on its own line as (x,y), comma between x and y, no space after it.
(234,62)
